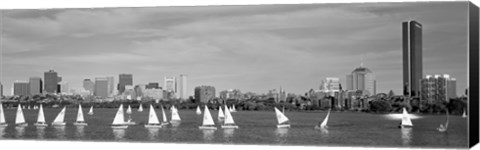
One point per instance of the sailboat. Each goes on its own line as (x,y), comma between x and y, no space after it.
(406,122)
(198,112)
(175,116)
(207,120)
(2,117)
(59,119)
(442,127)
(90,112)
(323,125)
(140,108)
(152,119)
(464,115)
(20,119)
(28,107)
(282,119)
(229,123)
(80,119)
(129,110)
(118,121)
(221,116)
(233,108)
(164,116)
(41,118)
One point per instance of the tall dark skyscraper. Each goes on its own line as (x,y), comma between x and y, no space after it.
(51,79)
(412,57)
(123,80)
(1,89)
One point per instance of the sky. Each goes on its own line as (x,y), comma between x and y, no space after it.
(254,48)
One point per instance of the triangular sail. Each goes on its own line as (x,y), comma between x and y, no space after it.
(80,114)
(41,116)
(207,117)
(324,123)
(19,118)
(228,117)
(140,108)
(220,113)
(119,116)
(2,115)
(175,115)
(60,117)
(406,118)
(281,118)
(198,112)
(91,110)
(164,115)
(464,115)
(152,117)
(233,107)
(129,110)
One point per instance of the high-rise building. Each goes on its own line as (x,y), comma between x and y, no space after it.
(36,85)
(111,85)
(140,90)
(51,79)
(437,88)
(64,89)
(170,84)
(204,93)
(330,85)
(101,87)
(412,57)
(362,79)
(182,87)
(21,88)
(1,89)
(153,85)
(89,85)
(124,80)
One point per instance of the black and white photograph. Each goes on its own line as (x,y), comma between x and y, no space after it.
(376,74)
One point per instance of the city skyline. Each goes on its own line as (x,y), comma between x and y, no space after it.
(293,46)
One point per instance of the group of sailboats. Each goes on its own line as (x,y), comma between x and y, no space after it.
(209,124)
(152,122)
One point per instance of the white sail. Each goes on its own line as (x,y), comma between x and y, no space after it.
(281,118)
(119,116)
(41,116)
(228,117)
(2,115)
(139,98)
(152,117)
(220,112)
(140,108)
(198,112)
(464,115)
(207,117)
(406,118)
(90,112)
(80,114)
(233,109)
(19,118)
(175,115)
(60,117)
(129,110)
(324,123)
(29,107)
(164,115)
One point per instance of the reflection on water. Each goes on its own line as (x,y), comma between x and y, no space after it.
(228,134)
(60,132)
(152,133)
(323,132)
(406,136)
(80,131)
(41,132)
(175,124)
(20,131)
(208,135)
(2,131)
(281,135)
(118,134)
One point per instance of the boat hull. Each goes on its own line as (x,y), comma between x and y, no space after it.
(153,126)
(3,124)
(229,127)
(40,124)
(119,126)
(21,125)
(174,121)
(405,126)
(283,126)
(320,127)
(80,123)
(59,124)
(207,128)
(130,123)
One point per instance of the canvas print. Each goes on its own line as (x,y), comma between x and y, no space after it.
(352,74)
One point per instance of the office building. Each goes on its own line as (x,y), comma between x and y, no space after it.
(153,85)
(412,57)
(204,93)
(111,86)
(89,85)
(51,79)
(101,87)
(362,79)
(36,85)
(1,89)
(21,88)
(153,93)
(182,87)
(437,88)
(170,84)
(330,85)
(140,89)
(64,88)
(124,80)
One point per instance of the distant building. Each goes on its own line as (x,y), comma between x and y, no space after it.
(51,81)
(153,93)
(362,79)
(129,92)
(204,93)
(153,85)
(182,87)
(89,85)
(64,89)
(170,84)
(80,91)
(330,85)
(140,89)
(1,89)
(124,80)
(231,94)
(36,85)
(111,86)
(437,88)
(21,88)
(412,57)
(101,87)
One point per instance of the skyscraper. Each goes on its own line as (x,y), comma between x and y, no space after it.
(111,86)
(21,88)
(330,85)
(412,57)
(101,87)
(123,80)
(362,79)
(36,85)
(89,85)
(437,88)
(204,93)
(64,88)
(1,89)
(182,87)
(51,81)
(170,84)
(153,85)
